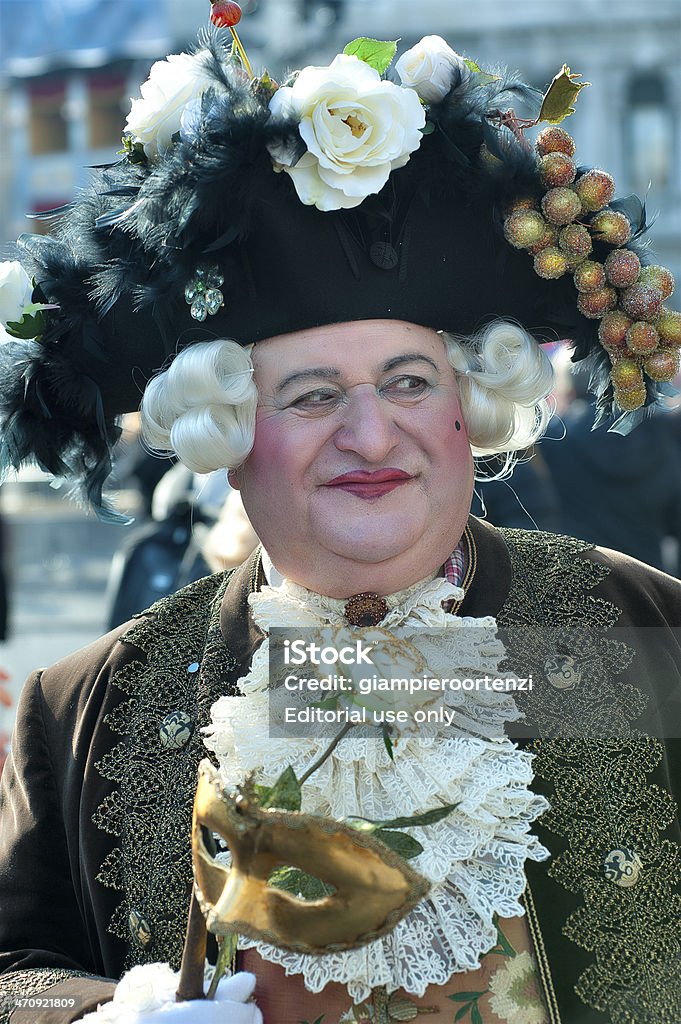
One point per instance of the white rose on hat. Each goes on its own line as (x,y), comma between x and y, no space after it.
(357,129)
(432,68)
(172,84)
(15,291)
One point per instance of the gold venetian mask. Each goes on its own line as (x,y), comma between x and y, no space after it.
(373,887)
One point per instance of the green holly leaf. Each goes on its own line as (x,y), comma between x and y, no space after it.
(378,54)
(560,95)
(484,78)
(30,326)
(299,883)
(284,794)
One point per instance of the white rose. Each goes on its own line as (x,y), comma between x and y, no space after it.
(357,129)
(15,291)
(432,68)
(172,84)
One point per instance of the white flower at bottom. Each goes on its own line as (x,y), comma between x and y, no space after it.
(357,129)
(15,291)
(432,68)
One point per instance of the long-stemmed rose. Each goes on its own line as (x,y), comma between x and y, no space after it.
(172,84)
(357,129)
(432,69)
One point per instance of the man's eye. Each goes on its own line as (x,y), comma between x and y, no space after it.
(319,399)
(405,386)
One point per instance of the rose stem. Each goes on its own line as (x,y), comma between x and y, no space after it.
(327,753)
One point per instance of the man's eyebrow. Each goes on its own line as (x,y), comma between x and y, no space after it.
(333,373)
(313,373)
(409,357)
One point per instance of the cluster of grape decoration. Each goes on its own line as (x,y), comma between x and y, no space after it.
(639,333)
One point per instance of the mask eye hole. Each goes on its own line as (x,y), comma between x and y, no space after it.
(208,840)
(300,884)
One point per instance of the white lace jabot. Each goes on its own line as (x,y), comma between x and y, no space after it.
(474,858)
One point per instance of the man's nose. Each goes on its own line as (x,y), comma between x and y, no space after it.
(369,426)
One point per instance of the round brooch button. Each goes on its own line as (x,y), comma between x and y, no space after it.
(140,929)
(623,867)
(562,672)
(175,731)
(366,609)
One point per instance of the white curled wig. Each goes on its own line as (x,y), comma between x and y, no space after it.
(203,407)
(505,379)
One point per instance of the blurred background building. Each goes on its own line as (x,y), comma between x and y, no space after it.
(68,69)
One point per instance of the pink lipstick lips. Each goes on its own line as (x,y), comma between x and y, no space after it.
(364,484)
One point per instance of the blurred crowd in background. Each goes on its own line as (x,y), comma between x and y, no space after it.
(65,89)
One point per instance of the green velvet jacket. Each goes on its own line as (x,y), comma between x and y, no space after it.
(95,864)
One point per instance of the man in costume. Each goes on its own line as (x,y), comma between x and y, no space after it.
(288,256)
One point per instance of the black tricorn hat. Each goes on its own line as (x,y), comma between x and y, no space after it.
(206,241)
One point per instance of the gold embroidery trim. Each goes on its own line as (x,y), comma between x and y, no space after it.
(601,799)
(541,958)
(149,810)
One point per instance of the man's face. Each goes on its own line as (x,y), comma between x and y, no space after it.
(361,467)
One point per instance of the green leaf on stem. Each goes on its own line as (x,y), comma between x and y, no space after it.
(284,795)
(377,53)
(421,819)
(299,883)
(399,842)
(483,77)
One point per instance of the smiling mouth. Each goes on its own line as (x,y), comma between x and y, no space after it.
(367,485)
